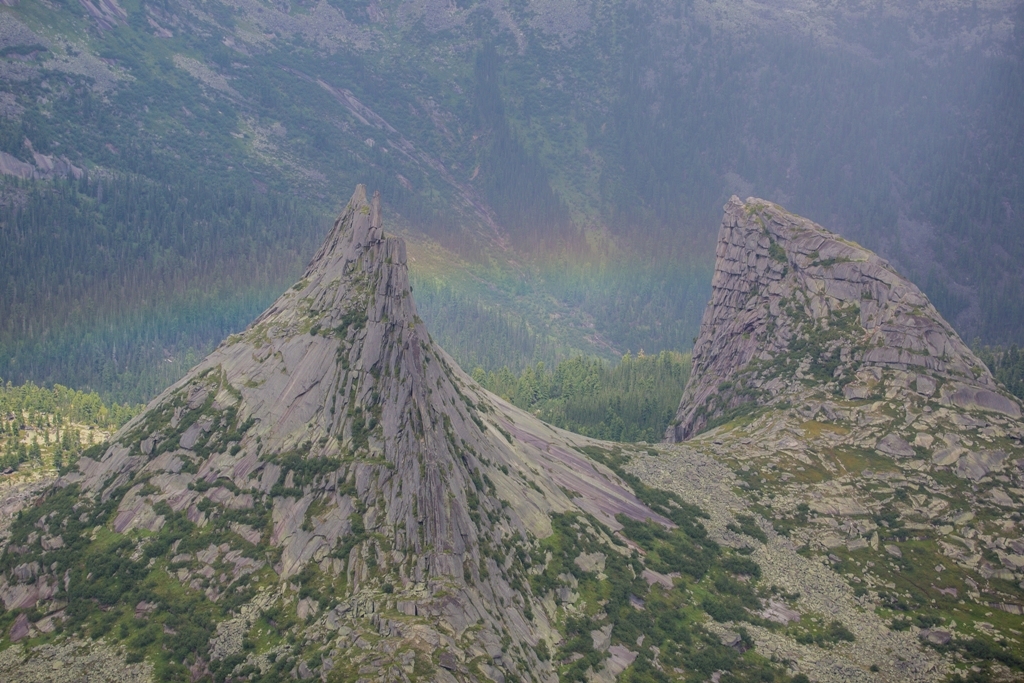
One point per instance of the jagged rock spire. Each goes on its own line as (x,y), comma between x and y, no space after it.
(377,461)
(787,291)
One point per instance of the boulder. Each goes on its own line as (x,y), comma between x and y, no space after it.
(925,385)
(20,628)
(973,398)
(894,445)
(977,465)
(936,636)
(602,637)
(780,613)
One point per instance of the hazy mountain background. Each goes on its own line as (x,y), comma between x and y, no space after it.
(558,167)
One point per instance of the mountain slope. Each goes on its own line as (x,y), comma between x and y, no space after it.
(570,153)
(829,399)
(335,417)
(327,494)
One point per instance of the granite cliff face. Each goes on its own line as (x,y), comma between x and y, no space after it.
(792,301)
(331,450)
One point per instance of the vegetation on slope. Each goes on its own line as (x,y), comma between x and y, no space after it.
(633,400)
(53,426)
(591,153)
(137,275)
(1007,366)
(121,588)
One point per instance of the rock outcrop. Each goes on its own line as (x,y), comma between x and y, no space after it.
(793,300)
(880,465)
(331,449)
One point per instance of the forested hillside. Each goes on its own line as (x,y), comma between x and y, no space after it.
(52,427)
(633,400)
(558,167)
(1007,365)
(118,283)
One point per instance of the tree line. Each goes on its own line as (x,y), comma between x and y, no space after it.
(633,400)
(35,421)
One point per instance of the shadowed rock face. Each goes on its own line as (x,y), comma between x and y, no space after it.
(379,463)
(790,300)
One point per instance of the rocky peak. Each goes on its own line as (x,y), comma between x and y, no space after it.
(829,394)
(792,301)
(334,447)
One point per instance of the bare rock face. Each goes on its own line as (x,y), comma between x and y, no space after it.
(829,396)
(332,449)
(793,301)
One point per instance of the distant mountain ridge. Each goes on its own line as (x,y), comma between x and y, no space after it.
(566,156)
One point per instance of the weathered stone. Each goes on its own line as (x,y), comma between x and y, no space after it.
(893,445)
(26,572)
(447,660)
(855,391)
(925,385)
(856,544)
(781,279)
(963,518)
(602,637)
(20,628)
(842,507)
(731,639)
(621,658)
(52,543)
(977,465)
(947,456)
(780,613)
(999,497)
(652,577)
(590,562)
(936,636)
(973,398)
(336,408)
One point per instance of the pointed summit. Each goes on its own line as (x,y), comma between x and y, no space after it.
(358,228)
(332,449)
(792,302)
(828,395)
